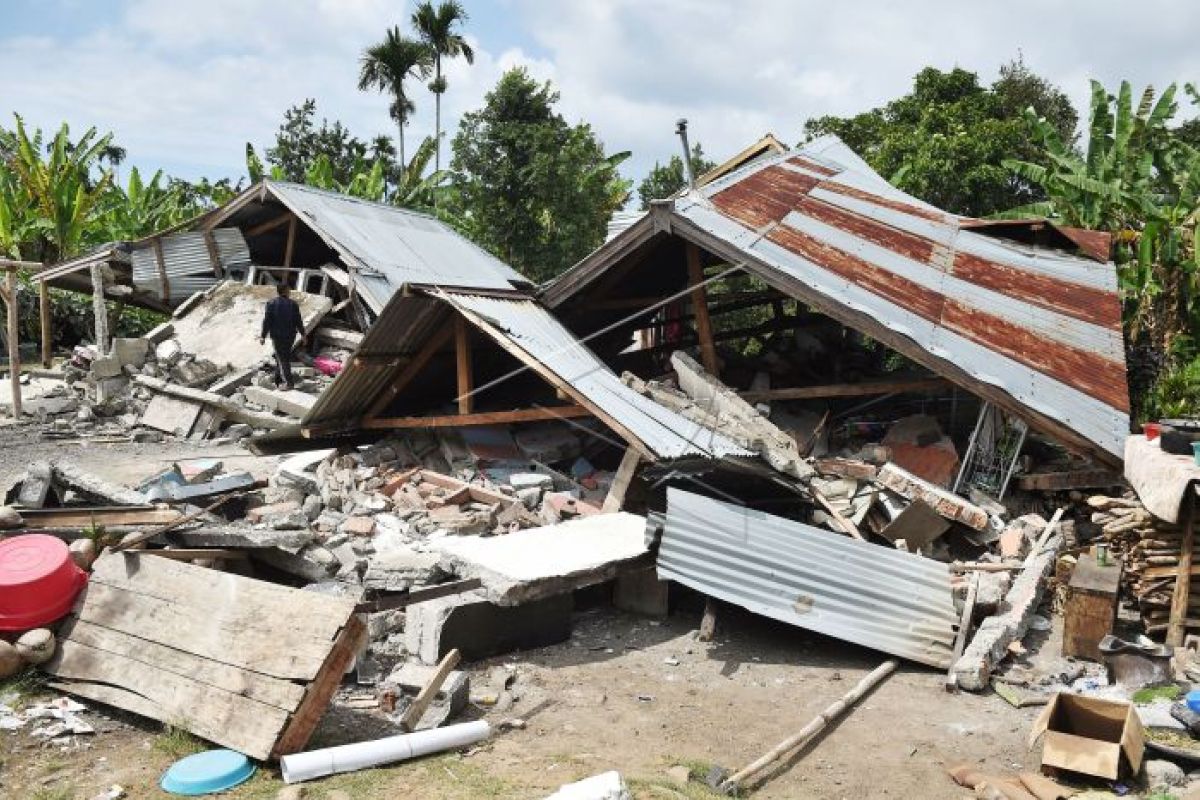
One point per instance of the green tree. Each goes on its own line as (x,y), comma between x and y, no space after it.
(386,66)
(534,190)
(143,207)
(436,27)
(299,142)
(945,141)
(667,179)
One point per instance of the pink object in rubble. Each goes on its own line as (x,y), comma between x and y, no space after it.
(327,365)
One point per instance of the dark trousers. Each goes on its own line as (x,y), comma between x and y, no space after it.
(283,360)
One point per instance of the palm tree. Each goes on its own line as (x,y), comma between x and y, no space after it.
(385,66)
(435,26)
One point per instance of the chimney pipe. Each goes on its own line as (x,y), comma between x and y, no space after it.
(681,129)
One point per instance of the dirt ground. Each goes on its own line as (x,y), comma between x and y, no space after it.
(612,697)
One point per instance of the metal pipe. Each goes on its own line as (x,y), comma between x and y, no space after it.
(681,129)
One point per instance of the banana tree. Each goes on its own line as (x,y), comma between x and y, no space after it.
(142,207)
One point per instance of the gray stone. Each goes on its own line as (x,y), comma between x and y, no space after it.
(288,521)
(530,480)
(641,592)
(130,352)
(530,497)
(480,629)
(145,436)
(605,786)
(1162,774)
(160,333)
(106,367)
(10,518)
(312,507)
(238,431)
(992,588)
(449,700)
(111,388)
(39,479)
(400,568)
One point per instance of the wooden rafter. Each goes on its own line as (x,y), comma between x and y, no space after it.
(481,418)
(462,358)
(291,242)
(271,224)
(409,372)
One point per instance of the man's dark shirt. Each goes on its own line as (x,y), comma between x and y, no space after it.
(282,321)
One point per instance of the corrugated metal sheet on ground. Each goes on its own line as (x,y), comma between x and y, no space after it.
(531,328)
(1041,325)
(393,245)
(877,597)
(187,262)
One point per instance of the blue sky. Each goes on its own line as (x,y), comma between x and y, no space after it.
(184,84)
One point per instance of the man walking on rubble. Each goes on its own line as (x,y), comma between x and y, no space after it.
(282,322)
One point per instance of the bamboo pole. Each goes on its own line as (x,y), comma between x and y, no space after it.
(809,731)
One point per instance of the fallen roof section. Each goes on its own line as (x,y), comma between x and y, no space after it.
(1037,331)
(874,596)
(522,327)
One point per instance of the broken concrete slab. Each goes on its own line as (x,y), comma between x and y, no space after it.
(540,562)
(480,629)
(89,485)
(918,525)
(232,410)
(36,486)
(401,568)
(171,415)
(641,592)
(950,506)
(450,699)
(291,402)
(973,669)
(131,352)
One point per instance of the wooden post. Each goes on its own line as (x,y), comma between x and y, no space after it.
(1183,577)
(462,352)
(964,630)
(708,350)
(291,242)
(99,309)
(708,623)
(615,499)
(164,282)
(44,316)
(14,351)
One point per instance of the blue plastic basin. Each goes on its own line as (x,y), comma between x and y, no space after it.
(207,772)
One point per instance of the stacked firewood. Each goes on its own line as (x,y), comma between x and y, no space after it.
(1149,548)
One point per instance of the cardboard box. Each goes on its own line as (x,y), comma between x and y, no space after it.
(1089,735)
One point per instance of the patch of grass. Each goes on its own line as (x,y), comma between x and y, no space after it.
(27,683)
(697,787)
(1151,693)
(60,792)
(178,743)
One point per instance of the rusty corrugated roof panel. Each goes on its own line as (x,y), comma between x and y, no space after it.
(1041,326)
(878,597)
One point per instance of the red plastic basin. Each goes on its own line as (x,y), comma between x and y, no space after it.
(38,581)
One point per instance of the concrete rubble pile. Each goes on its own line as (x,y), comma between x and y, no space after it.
(201,375)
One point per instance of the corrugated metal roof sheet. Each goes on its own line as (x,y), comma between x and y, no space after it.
(391,246)
(1030,327)
(523,324)
(398,333)
(187,262)
(528,326)
(863,593)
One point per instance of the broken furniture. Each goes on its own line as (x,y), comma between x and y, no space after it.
(1091,606)
(243,663)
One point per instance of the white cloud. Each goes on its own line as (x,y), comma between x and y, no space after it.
(185,84)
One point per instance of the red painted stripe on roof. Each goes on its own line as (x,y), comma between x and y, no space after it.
(885,283)
(812,166)
(906,244)
(1081,302)
(895,205)
(764,197)
(1089,373)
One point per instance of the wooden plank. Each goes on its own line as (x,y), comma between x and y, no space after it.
(241,682)
(189,553)
(478,493)
(410,596)
(214,255)
(184,584)
(304,721)
(483,418)
(241,723)
(615,499)
(840,522)
(14,347)
(410,371)
(44,322)
(227,630)
(413,714)
(1064,481)
(86,517)
(862,389)
(1183,583)
(462,358)
(708,350)
(964,629)
(708,623)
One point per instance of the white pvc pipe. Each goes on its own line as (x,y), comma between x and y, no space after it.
(363,755)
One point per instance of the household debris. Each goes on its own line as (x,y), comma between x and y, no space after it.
(1090,735)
